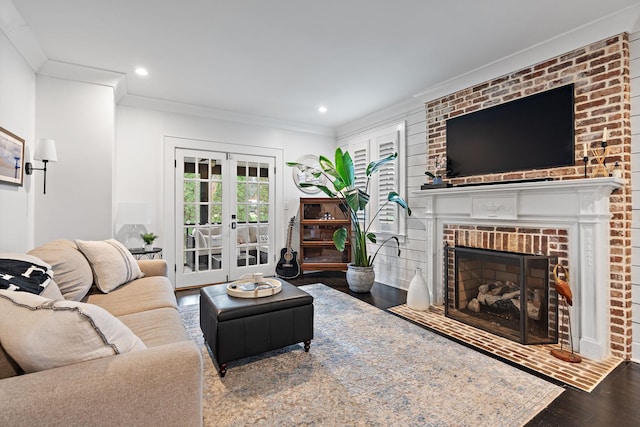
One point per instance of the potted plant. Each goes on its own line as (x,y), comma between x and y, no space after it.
(439,167)
(148,240)
(341,175)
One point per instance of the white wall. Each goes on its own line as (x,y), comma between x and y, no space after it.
(17,115)
(139,162)
(80,118)
(390,269)
(634,40)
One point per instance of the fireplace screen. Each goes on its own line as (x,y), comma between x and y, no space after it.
(504,293)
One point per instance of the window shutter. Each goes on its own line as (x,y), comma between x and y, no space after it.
(360,159)
(387,181)
(372,146)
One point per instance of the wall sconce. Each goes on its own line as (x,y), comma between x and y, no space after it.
(46,152)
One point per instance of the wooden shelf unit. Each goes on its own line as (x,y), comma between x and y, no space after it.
(319,218)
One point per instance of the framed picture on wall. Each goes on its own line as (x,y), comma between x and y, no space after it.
(11,158)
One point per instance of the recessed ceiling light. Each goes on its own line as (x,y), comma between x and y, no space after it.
(322,109)
(142,72)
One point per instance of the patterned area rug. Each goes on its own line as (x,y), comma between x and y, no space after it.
(367,367)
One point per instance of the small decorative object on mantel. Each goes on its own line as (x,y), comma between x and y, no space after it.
(439,167)
(561,280)
(617,171)
(148,240)
(601,158)
(585,159)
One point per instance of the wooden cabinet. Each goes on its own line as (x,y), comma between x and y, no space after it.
(319,218)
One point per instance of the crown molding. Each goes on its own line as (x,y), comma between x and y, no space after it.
(84,74)
(392,113)
(618,22)
(216,114)
(21,37)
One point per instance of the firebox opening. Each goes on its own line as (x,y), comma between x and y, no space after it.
(504,293)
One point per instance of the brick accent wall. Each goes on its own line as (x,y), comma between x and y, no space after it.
(600,73)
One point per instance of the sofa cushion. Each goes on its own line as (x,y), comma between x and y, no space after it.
(52,291)
(25,273)
(112,264)
(39,333)
(8,367)
(143,294)
(156,327)
(70,268)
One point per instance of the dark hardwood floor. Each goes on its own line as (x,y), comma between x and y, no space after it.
(615,402)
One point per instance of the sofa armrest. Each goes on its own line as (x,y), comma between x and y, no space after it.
(158,386)
(154,267)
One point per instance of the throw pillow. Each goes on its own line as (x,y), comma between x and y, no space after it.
(52,291)
(26,273)
(39,333)
(71,270)
(112,263)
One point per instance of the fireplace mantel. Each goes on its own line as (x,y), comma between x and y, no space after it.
(581,206)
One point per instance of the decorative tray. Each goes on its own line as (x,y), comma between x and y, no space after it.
(247,288)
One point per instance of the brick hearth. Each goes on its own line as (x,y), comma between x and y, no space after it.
(537,358)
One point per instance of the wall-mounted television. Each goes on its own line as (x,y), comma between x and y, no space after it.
(534,132)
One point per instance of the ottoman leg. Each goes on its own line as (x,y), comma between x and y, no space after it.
(307,345)
(223,370)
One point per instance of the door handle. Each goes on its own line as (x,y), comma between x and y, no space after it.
(233,225)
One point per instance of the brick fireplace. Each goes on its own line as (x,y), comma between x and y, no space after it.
(565,219)
(592,226)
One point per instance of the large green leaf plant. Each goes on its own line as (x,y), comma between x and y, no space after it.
(341,175)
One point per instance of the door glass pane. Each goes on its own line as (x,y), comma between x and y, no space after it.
(203,195)
(264,213)
(264,193)
(252,195)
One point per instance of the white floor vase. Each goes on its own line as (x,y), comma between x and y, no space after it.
(418,293)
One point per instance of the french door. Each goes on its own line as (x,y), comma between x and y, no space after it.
(224,216)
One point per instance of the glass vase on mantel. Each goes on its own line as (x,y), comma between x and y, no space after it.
(418,294)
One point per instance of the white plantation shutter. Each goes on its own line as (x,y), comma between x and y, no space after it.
(360,156)
(386,181)
(376,145)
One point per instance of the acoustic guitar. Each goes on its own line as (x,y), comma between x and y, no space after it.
(288,267)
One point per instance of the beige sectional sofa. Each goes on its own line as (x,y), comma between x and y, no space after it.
(158,385)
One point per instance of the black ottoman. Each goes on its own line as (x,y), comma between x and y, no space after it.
(235,328)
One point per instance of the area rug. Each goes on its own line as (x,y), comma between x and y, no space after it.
(584,376)
(367,367)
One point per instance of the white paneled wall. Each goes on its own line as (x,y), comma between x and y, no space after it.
(390,269)
(635,185)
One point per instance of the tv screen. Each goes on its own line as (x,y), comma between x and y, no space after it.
(535,132)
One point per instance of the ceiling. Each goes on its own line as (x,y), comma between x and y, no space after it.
(282,59)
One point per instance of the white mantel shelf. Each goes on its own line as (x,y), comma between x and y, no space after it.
(581,206)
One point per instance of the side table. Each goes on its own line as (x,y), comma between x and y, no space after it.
(140,253)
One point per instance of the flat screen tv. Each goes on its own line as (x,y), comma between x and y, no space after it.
(534,132)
